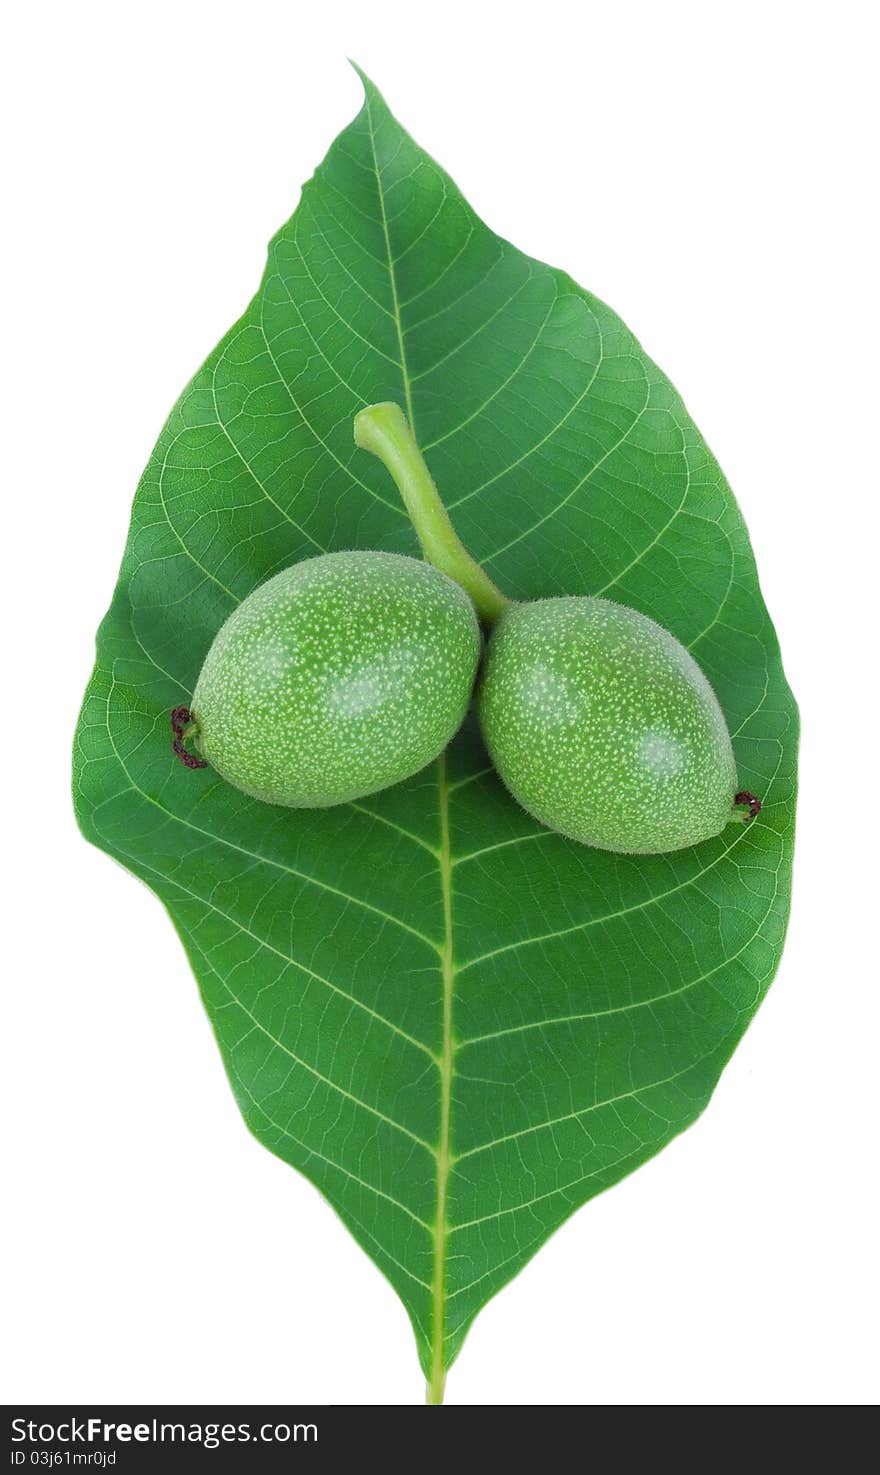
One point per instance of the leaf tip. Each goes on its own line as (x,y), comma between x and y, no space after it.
(371,91)
(367,84)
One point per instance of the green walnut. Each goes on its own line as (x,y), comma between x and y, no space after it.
(604,727)
(338,677)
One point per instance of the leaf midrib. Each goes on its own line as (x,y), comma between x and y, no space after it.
(392,275)
(444,1155)
(447,965)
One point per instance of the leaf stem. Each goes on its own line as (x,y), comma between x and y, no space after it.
(383,430)
(434,1389)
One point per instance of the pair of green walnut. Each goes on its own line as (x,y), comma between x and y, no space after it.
(352,671)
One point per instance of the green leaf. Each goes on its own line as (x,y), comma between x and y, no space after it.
(459,1025)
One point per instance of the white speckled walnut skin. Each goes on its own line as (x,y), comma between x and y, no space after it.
(604,727)
(338,677)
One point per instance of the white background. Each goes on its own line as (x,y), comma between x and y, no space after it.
(706,169)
